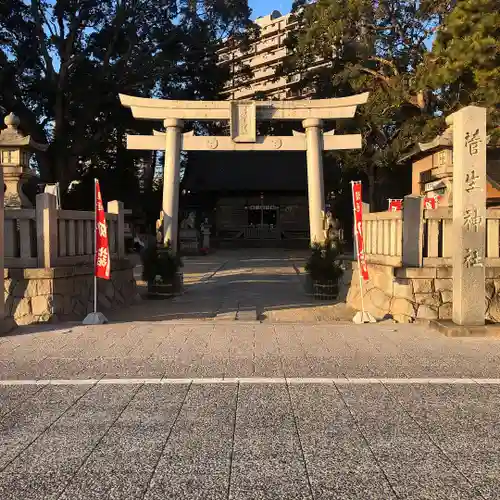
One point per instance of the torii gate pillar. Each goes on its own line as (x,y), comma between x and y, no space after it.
(315,183)
(171,181)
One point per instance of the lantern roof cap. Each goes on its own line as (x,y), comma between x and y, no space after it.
(13,137)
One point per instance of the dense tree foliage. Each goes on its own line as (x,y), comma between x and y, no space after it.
(464,64)
(385,48)
(63,63)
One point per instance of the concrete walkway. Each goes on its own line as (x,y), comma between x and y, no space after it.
(219,285)
(235,410)
(240,349)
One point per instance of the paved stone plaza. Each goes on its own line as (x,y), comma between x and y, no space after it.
(186,408)
(270,281)
(248,411)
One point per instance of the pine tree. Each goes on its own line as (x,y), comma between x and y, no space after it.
(463,67)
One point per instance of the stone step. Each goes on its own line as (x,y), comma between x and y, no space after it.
(249,312)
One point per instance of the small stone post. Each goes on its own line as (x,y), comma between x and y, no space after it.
(171,181)
(315,186)
(205,231)
(116,207)
(413,231)
(46,229)
(469,215)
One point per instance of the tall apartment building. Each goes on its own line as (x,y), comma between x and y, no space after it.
(262,59)
(253,198)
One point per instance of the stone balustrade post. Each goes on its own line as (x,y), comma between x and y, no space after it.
(46,229)
(413,231)
(116,207)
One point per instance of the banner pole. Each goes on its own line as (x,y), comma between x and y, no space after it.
(361,287)
(361,316)
(95,245)
(95,318)
(357,248)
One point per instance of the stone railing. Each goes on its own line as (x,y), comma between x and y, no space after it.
(45,237)
(437,241)
(383,237)
(261,232)
(437,237)
(423,239)
(20,238)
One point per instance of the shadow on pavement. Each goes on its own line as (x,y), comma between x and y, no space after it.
(271,286)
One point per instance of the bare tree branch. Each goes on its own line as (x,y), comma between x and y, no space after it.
(35,11)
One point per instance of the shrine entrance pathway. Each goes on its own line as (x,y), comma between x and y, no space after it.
(250,283)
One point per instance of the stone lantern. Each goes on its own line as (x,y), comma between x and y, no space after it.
(15,154)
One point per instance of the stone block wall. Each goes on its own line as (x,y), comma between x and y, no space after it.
(40,295)
(407,294)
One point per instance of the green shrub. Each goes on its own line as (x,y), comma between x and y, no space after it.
(323,264)
(159,262)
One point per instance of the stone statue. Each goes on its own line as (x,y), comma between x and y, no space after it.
(189,221)
(159,229)
(333,232)
(205,232)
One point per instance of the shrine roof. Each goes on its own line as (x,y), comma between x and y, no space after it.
(441,141)
(444,140)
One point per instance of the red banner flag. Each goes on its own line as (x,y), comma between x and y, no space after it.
(358,227)
(102,264)
(430,203)
(395,205)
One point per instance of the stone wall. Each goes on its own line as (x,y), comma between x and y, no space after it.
(40,295)
(407,294)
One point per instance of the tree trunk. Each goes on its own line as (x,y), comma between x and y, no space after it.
(371,186)
(149,171)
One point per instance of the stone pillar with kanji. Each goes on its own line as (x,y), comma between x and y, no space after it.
(469,215)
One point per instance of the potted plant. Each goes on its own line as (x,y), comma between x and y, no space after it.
(161,269)
(324,271)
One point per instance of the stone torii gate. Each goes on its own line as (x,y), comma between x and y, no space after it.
(243,116)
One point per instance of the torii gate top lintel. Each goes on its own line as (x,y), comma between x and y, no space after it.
(161,109)
(243,114)
(243,117)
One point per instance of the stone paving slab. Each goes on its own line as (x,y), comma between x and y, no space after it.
(20,428)
(267,460)
(123,463)
(340,462)
(245,349)
(403,448)
(251,440)
(464,424)
(45,468)
(199,447)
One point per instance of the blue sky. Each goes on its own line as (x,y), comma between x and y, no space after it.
(264,7)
